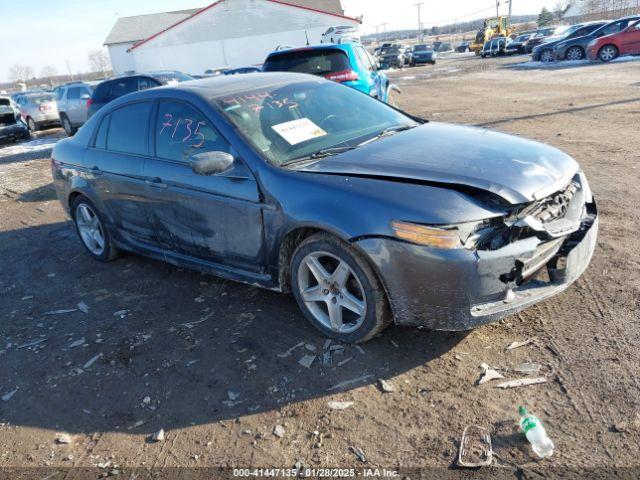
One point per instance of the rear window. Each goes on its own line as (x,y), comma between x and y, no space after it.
(102,91)
(73,93)
(40,99)
(122,86)
(316,62)
(128,128)
(170,77)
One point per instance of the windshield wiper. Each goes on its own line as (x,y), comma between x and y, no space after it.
(388,132)
(325,152)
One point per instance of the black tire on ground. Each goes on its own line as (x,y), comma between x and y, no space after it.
(378,314)
(546,55)
(110,252)
(608,53)
(574,53)
(69,129)
(33,126)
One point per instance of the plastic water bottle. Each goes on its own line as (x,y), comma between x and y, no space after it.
(532,427)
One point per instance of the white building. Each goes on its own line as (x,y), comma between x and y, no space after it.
(586,10)
(227,33)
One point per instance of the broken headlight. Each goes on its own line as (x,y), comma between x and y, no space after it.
(462,235)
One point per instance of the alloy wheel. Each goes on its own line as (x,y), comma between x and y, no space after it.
(546,56)
(31,124)
(90,229)
(608,53)
(574,53)
(332,292)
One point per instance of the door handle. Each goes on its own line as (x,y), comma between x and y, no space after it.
(95,170)
(156,183)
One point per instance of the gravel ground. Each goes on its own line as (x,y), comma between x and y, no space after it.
(107,354)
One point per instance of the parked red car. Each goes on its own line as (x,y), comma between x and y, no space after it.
(626,42)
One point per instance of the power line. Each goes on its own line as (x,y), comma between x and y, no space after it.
(465,16)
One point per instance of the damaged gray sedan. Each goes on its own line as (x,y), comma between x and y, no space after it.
(366,214)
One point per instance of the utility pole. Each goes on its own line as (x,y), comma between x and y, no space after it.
(419,22)
(497,8)
(384,26)
(69,69)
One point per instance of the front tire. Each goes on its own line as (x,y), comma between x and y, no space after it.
(546,56)
(337,290)
(608,53)
(92,230)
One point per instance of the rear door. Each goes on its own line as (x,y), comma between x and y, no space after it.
(115,163)
(72,105)
(216,218)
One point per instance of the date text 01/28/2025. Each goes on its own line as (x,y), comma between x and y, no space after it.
(315,472)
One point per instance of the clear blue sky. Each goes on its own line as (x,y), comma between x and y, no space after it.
(50,32)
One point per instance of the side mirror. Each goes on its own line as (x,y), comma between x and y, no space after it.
(211,163)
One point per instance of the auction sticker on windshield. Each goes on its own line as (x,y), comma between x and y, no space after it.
(298,131)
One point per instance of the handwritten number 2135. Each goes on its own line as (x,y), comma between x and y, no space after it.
(188,123)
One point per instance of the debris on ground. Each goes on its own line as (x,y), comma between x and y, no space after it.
(83,307)
(7,396)
(311,348)
(77,343)
(91,361)
(158,436)
(528,368)
(385,386)
(60,312)
(360,349)
(348,383)
(522,382)
(233,395)
(278,431)
(336,405)
(327,344)
(621,427)
(358,453)
(290,351)
(515,345)
(31,343)
(121,313)
(307,360)
(488,374)
(345,361)
(475,447)
(63,438)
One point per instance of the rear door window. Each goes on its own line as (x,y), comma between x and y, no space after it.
(101,136)
(145,83)
(316,62)
(123,86)
(181,131)
(73,93)
(128,129)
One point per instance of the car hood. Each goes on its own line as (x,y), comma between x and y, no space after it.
(516,169)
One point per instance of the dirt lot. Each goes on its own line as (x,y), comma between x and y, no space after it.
(206,360)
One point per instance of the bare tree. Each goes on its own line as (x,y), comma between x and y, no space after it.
(560,7)
(99,61)
(48,72)
(21,73)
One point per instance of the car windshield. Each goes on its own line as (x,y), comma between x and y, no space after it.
(394,49)
(287,122)
(421,48)
(317,62)
(170,77)
(40,99)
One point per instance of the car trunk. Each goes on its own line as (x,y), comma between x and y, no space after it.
(7,115)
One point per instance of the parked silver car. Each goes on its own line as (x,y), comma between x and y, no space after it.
(72,105)
(39,110)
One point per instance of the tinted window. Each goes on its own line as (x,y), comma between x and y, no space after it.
(101,136)
(182,131)
(123,86)
(73,93)
(363,59)
(102,91)
(317,62)
(144,83)
(128,127)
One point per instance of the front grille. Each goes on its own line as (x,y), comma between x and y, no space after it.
(555,206)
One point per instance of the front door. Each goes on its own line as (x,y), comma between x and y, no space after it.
(630,43)
(215,218)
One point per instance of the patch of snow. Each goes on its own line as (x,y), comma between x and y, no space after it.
(39,144)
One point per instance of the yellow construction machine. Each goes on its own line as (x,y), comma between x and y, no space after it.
(493,27)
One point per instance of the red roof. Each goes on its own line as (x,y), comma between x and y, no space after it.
(218,2)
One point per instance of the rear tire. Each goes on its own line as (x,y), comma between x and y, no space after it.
(92,230)
(33,127)
(69,129)
(608,53)
(337,290)
(574,53)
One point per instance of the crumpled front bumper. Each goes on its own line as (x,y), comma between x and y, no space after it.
(461,289)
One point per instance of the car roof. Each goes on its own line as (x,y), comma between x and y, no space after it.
(319,46)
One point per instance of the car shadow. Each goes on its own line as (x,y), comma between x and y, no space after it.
(135,344)
(43,193)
